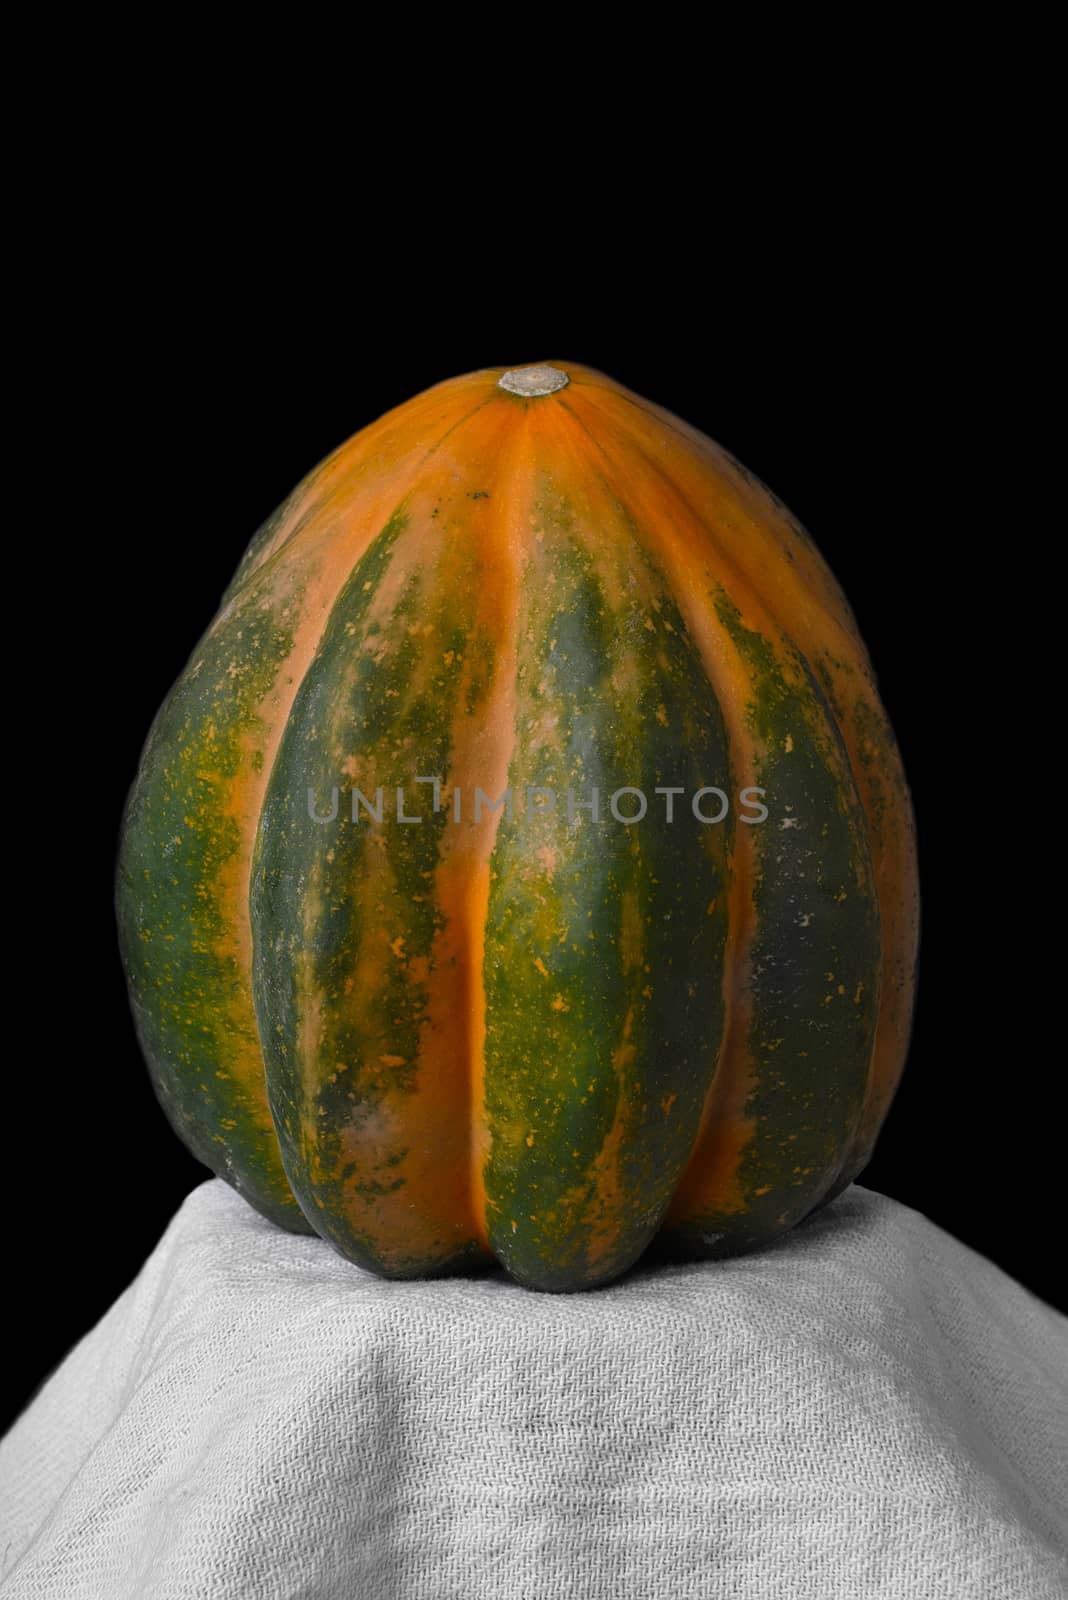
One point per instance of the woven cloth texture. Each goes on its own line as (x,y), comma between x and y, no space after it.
(868,1409)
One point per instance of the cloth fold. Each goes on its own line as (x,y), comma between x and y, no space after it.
(868,1409)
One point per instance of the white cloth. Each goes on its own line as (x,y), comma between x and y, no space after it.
(869,1409)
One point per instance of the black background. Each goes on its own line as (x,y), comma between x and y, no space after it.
(194,386)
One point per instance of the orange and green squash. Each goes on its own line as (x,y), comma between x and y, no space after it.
(539,1039)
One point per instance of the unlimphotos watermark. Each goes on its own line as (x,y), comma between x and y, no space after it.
(627,804)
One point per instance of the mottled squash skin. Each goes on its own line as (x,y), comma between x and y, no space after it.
(525,1039)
